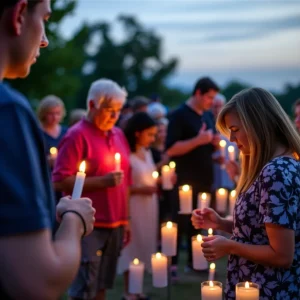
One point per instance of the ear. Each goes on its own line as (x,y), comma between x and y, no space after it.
(18,16)
(91,104)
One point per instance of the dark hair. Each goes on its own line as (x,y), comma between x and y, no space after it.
(9,3)
(137,123)
(138,102)
(204,85)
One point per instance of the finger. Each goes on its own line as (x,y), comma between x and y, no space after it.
(209,238)
(203,127)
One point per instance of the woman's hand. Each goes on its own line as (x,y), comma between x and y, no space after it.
(215,247)
(205,218)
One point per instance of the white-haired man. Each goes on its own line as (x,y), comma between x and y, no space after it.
(96,140)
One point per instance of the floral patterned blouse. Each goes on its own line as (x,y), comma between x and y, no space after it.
(274,197)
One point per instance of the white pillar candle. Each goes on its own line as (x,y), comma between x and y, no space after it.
(222,144)
(172,166)
(210,232)
(53,152)
(203,200)
(231,153)
(186,199)
(211,290)
(166,174)
(221,198)
(247,291)
(118,161)
(232,198)
(136,276)
(199,261)
(212,271)
(159,264)
(79,182)
(169,238)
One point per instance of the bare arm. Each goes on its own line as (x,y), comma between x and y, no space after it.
(226,225)
(52,265)
(183,147)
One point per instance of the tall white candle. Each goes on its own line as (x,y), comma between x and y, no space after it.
(212,271)
(247,291)
(222,144)
(159,264)
(199,261)
(172,166)
(221,196)
(211,290)
(166,174)
(136,276)
(169,238)
(231,153)
(118,161)
(203,200)
(186,199)
(53,152)
(232,198)
(210,232)
(79,182)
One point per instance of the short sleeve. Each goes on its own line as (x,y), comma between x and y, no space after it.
(24,197)
(279,195)
(174,133)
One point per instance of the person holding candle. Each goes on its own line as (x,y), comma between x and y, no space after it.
(191,141)
(96,140)
(265,243)
(140,132)
(28,244)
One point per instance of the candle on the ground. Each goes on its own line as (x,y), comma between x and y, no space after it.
(159,264)
(247,291)
(186,199)
(212,271)
(169,238)
(211,290)
(221,196)
(118,161)
(231,153)
(203,200)
(166,174)
(136,277)
(79,181)
(199,261)
(232,197)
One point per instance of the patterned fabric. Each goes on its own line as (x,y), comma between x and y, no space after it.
(274,197)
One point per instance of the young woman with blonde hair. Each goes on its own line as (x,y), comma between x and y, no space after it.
(265,243)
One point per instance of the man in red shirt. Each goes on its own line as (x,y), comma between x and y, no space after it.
(96,140)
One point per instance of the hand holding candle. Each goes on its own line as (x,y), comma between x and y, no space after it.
(79,181)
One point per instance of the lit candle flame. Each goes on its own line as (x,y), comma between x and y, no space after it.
(53,151)
(155,174)
(212,266)
(169,225)
(117,156)
(231,149)
(136,261)
(165,168)
(222,143)
(247,285)
(199,238)
(158,255)
(210,231)
(172,165)
(233,193)
(82,167)
(204,196)
(186,188)
(211,284)
(221,191)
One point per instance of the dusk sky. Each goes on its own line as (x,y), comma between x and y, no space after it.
(257,42)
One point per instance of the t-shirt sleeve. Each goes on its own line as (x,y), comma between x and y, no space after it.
(279,198)
(174,133)
(23,196)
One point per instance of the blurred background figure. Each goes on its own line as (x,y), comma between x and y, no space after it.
(157,110)
(139,104)
(76,115)
(297,114)
(125,115)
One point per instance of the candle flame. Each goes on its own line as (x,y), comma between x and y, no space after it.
(169,225)
(53,150)
(222,143)
(186,188)
(247,285)
(117,156)
(233,193)
(82,167)
(158,255)
(172,165)
(199,238)
(165,168)
(210,231)
(212,266)
(155,174)
(230,149)
(204,196)
(211,284)
(136,261)
(221,191)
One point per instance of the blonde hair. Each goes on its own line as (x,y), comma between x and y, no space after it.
(266,124)
(48,102)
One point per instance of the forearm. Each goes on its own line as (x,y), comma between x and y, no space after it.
(226,225)
(136,190)
(260,254)
(183,147)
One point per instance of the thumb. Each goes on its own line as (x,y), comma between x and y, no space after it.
(203,127)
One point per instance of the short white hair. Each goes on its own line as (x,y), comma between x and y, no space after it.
(220,98)
(157,110)
(105,89)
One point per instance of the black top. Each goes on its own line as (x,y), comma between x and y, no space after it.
(195,167)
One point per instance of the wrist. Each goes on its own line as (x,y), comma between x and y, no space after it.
(76,218)
(230,247)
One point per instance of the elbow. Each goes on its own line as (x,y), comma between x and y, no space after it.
(286,263)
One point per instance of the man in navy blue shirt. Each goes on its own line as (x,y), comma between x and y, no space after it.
(34,264)
(191,141)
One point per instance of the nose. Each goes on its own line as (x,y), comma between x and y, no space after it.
(232,137)
(44,41)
